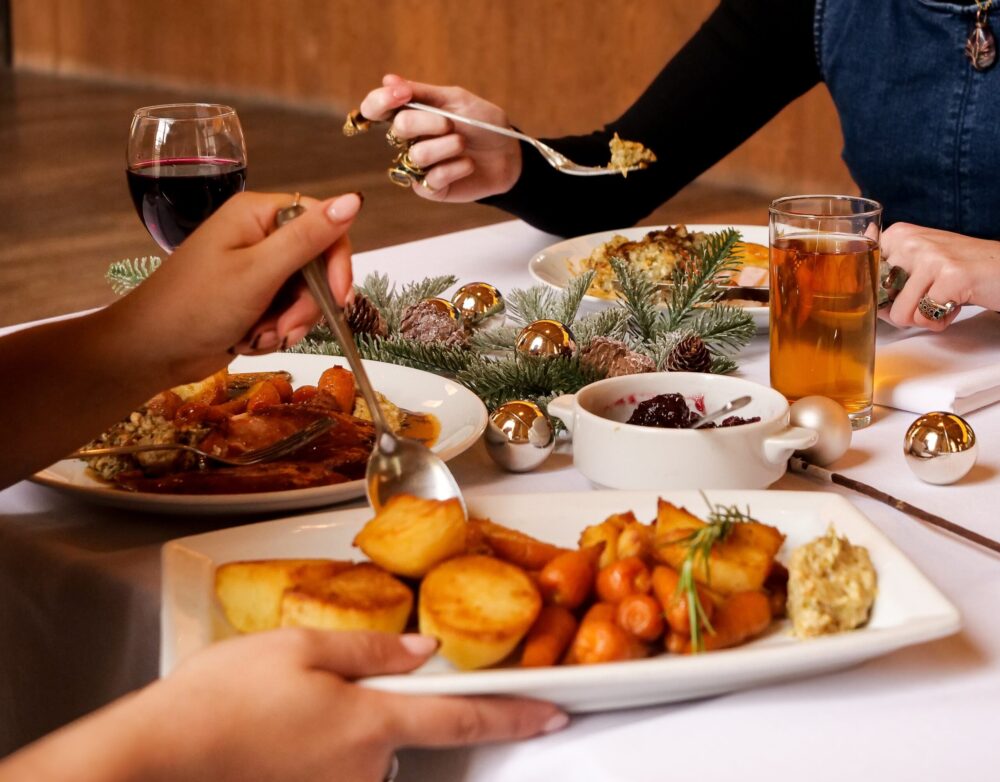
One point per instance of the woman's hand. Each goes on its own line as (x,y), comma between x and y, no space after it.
(215,295)
(943,266)
(462,163)
(280,705)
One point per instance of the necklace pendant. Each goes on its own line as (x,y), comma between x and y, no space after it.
(981,48)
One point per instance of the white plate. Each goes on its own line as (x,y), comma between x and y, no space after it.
(460,412)
(908,610)
(551,266)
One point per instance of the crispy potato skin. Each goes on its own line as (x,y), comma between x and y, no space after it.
(250,592)
(740,563)
(478,607)
(409,536)
(362,597)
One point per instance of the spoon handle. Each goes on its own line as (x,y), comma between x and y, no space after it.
(315,277)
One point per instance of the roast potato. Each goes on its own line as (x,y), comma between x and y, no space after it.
(410,535)
(740,563)
(250,592)
(478,607)
(362,597)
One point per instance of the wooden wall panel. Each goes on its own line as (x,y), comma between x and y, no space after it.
(558,66)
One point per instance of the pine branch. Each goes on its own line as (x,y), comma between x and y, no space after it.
(524,377)
(378,289)
(659,349)
(725,329)
(694,282)
(569,303)
(612,322)
(638,294)
(428,288)
(723,365)
(526,305)
(495,339)
(126,275)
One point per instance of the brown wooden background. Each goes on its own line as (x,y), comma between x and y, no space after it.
(558,66)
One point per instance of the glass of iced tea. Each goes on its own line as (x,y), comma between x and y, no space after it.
(824,286)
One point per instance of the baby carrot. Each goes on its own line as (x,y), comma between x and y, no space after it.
(549,637)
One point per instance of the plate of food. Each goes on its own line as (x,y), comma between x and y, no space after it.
(655,251)
(256,400)
(585,600)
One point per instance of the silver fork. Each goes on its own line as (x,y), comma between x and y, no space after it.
(555,159)
(268,453)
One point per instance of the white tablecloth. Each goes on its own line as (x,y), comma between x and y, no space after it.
(79,600)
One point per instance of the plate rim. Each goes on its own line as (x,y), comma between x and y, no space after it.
(288,499)
(538,257)
(943,618)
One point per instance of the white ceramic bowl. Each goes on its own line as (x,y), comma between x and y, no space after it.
(618,455)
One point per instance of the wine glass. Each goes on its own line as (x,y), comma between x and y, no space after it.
(184,161)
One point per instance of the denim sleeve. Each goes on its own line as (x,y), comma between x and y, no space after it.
(747,62)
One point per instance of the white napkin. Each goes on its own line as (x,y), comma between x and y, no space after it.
(957,370)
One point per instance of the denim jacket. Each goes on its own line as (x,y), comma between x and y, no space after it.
(921,126)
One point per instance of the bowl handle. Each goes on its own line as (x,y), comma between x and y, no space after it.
(778,447)
(562,408)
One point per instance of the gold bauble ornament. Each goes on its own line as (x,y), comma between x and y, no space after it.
(446,307)
(519,436)
(546,338)
(480,304)
(829,419)
(940,447)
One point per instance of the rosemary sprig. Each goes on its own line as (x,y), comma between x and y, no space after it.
(718,526)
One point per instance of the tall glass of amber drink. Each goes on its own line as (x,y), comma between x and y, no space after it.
(824,286)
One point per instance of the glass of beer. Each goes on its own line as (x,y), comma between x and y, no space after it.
(824,287)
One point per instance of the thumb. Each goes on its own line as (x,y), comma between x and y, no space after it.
(353,654)
(292,246)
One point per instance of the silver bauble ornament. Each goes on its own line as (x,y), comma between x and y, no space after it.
(940,447)
(519,436)
(445,307)
(480,304)
(830,420)
(546,338)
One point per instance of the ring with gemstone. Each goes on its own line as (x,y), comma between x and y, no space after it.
(356,123)
(932,310)
(395,141)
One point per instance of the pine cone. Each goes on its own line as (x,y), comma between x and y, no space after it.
(424,322)
(690,355)
(612,357)
(364,317)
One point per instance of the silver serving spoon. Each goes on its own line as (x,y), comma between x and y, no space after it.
(397,465)
(730,407)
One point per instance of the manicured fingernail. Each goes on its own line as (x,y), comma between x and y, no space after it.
(266,340)
(557,721)
(295,335)
(344,207)
(420,645)
(361,197)
(284,343)
(400,92)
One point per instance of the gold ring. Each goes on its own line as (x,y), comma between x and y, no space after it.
(427,187)
(933,310)
(405,161)
(400,176)
(395,141)
(356,124)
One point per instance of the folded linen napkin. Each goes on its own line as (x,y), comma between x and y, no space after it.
(957,370)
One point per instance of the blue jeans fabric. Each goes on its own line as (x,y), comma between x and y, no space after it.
(921,126)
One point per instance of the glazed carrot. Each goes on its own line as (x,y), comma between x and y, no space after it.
(603,612)
(740,617)
(303,394)
(196,412)
(600,641)
(265,396)
(339,383)
(628,576)
(675,607)
(568,578)
(282,386)
(641,616)
(165,403)
(549,637)
(675,643)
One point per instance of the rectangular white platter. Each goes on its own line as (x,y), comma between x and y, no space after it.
(908,610)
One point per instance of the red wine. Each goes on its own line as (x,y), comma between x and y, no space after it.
(175,196)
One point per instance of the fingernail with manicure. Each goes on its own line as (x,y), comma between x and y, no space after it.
(266,340)
(421,645)
(557,721)
(344,207)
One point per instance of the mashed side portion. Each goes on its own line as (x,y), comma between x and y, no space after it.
(831,586)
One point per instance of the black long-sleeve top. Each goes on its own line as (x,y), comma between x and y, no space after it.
(759,53)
